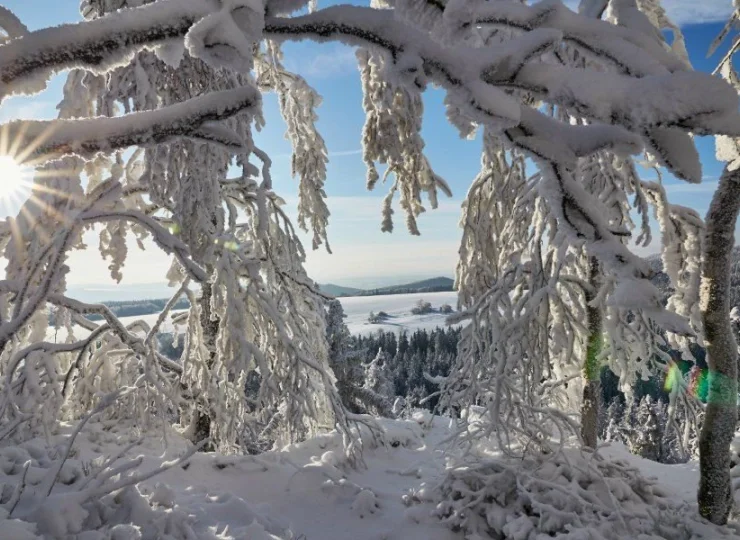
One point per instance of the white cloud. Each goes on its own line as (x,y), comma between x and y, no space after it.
(683,12)
(345,153)
(414,256)
(331,61)
(704,187)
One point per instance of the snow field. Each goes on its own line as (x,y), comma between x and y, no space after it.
(398,307)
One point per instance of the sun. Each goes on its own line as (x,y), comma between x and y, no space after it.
(13,177)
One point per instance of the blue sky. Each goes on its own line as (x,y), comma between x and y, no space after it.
(363,256)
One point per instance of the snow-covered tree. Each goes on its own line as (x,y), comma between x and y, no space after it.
(378,381)
(268,313)
(257,312)
(644,437)
(358,386)
(614,416)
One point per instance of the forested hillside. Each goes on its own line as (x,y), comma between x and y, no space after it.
(438,284)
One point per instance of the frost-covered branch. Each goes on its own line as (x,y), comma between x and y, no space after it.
(195,118)
(164,239)
(483,73)
(11,24)
(98,45)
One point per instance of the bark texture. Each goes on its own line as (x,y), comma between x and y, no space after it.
(591,366)
(210,332)
(715,488)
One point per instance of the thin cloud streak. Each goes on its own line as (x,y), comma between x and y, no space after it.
(346,153)
(341,153)
(339,60)
(683,12)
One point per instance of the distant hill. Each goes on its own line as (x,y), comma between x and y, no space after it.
(130,308)
(438,284)
(338,290)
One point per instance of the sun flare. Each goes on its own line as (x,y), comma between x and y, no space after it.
(13,177)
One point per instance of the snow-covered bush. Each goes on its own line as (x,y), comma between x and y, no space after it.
(421,308)
(572,495)
(49,490)
(377,318)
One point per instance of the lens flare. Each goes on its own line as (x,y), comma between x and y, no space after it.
(13,178)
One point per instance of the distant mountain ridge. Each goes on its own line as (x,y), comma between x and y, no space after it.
(437,284)
(339,290)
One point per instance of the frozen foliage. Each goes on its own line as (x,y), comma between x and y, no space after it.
(575,496)
(258,317)
(67,487)
(543,314)
(298,104)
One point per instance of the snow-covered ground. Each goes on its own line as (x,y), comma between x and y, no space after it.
(398,307)
(306,491)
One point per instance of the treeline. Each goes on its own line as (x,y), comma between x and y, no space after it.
(410,359)
(644,426)
(404,290)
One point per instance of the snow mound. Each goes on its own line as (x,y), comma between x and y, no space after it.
(408,486)
(365,503)
(573,495)
(67,487)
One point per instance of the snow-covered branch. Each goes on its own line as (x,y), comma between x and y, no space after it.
(98,45)
(11,24)
(483,73)
(164,239)
(195,118)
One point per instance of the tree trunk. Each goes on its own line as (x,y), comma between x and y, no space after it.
(591,371)
(715,488)
(210,332)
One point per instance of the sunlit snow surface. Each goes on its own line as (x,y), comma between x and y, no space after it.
(398,307)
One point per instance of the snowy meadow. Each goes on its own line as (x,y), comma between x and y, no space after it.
(398,307)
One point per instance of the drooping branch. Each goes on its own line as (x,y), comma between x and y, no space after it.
(482,74)
(195,118)
(164,239)
(96,45)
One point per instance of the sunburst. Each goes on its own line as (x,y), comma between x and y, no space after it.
(14,178)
